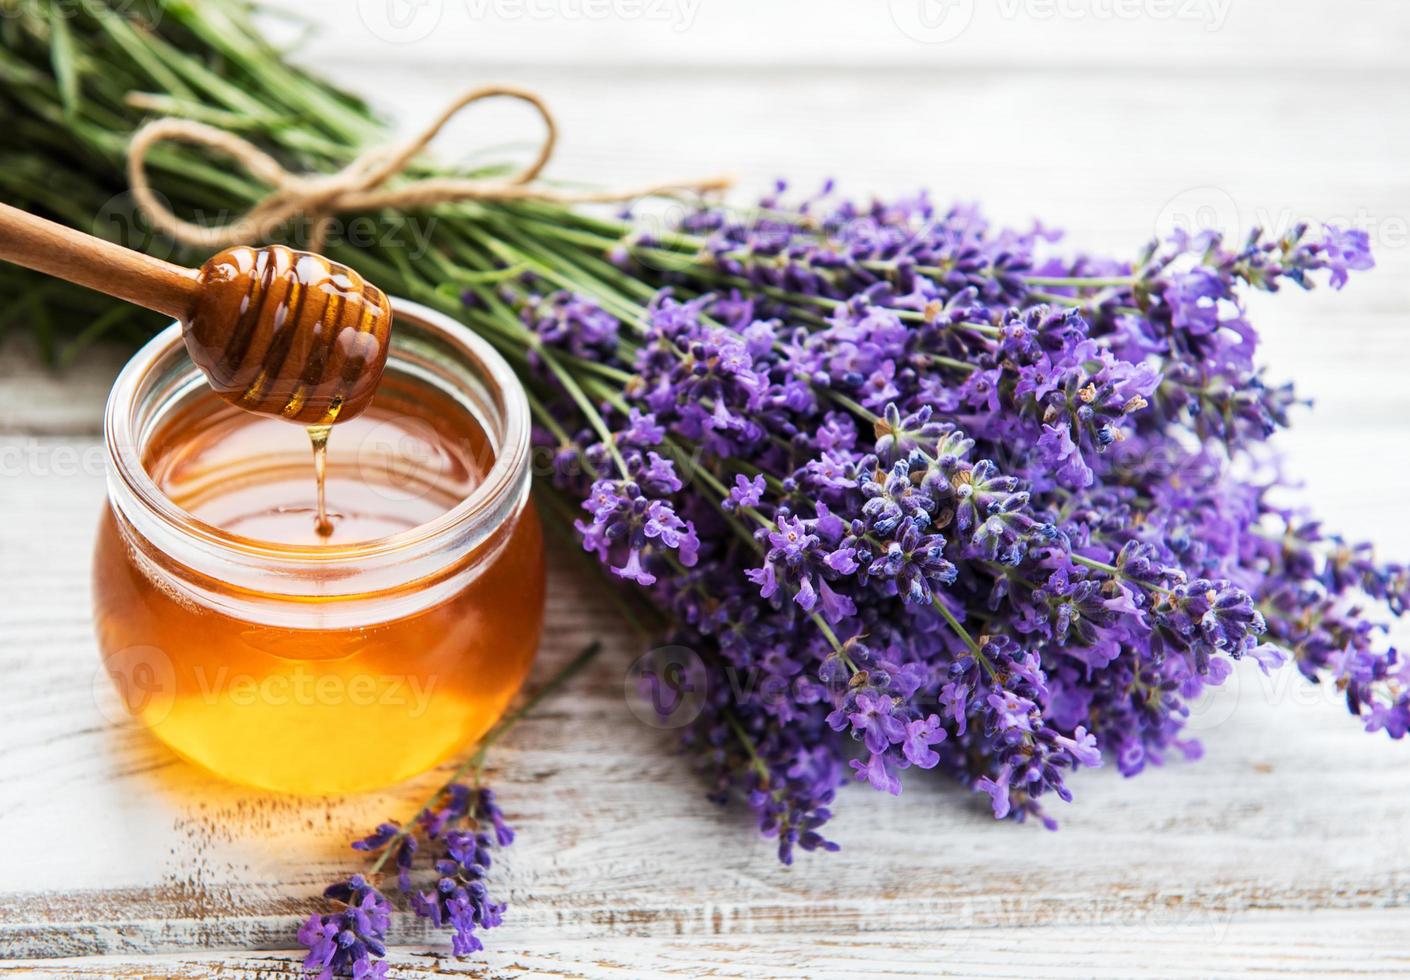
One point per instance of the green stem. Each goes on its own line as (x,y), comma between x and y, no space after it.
(965,637)
(756,760)
(594,417)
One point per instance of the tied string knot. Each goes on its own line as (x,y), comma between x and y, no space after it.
(362,184)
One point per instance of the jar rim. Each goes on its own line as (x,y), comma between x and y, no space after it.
(488,505)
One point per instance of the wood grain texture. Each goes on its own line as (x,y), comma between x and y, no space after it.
(1274,945)
(1284,851)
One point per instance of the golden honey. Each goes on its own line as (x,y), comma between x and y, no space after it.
(294,660)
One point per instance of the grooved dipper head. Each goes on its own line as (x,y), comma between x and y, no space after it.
(289,334)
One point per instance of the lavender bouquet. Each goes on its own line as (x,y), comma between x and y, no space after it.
(917,492)
(928,494)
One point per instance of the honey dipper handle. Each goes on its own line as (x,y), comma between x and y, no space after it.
(60,251)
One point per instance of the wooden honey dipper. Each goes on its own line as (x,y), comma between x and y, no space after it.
(276,331)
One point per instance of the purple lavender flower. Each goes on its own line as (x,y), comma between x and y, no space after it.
(1347,250)
(921,734)
(745,493)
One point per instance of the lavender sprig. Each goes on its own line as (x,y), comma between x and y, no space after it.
(460,824)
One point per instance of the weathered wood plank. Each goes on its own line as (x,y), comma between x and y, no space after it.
(1298,945)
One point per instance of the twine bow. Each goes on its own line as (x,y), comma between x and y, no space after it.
(361,185)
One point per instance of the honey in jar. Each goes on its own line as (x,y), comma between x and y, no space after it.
(329,659)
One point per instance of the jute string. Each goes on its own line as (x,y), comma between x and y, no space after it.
(361,185)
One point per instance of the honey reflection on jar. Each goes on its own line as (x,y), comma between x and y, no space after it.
(254,649)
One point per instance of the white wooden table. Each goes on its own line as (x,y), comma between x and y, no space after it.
(1287,850)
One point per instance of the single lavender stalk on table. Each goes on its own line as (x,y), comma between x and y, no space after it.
(460,825)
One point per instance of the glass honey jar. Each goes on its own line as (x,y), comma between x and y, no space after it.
(284,657)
